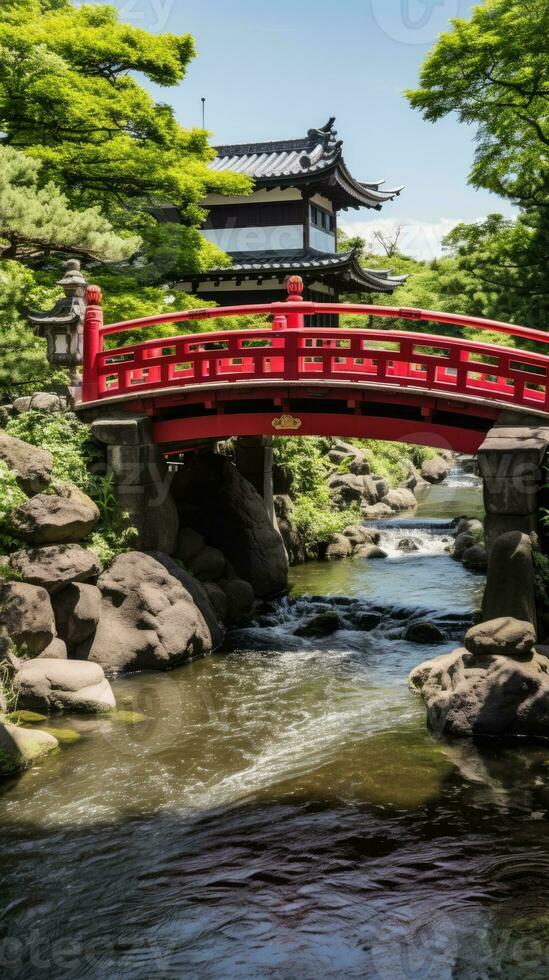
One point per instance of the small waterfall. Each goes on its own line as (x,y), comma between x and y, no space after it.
(408,542)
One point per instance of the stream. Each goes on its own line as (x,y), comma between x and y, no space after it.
(282,811)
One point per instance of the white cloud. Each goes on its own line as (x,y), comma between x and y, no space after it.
(420,239)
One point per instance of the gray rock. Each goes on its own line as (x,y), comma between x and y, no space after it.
(57,650)
(408,545)
(377,511)
(65,516)
(371,552)
(294,541)
(21,748)
(218,600)
(424,632)
(77,610)
(235,520)
(366,622)
(208,565)
(382,488)
(63,685)
(283,480)
(359,535)
(26,615)
(198,594)
(401,499)
(505,637)
(435,470)
(324,624)
(189,544)
(347,489)
(338,547)
(492,696)
(475,558)
(510,588)
(468,525)
(462,543)
(241,599)
(149,620)
(32,466)
(56,566)
(42,401)
(360,466)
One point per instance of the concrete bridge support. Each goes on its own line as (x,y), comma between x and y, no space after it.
(512,462)
(141,480)
(254,460)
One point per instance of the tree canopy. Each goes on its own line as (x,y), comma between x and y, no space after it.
(493,71)
(36,221)
(69,97)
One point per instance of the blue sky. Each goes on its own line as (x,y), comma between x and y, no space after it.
(270,70)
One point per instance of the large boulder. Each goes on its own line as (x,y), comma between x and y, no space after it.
(63,685)
(375,512)
(401,499)
(324,624)
(26,615)
(41,401)
(32,466)
(475,558)
(505,637)
(21,748)
(424,632)
(467,695)
(435,470)
(360,466)
(149,620)
(198,593)
(232,517)
(218,601)
(347,489)
(189,544)
(208,565)
(64,516)
(77,610)
(359,535)
(462,543)
(57,650)
(294,541)
(338,547)
(370,552)
(240,598)
(55,566)
(510,587)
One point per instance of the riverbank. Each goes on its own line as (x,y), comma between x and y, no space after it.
(282,807)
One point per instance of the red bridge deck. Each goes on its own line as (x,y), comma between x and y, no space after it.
(292,378)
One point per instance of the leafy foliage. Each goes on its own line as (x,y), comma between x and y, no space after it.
(493,71)
(37,220)
(77,460)
(70,95)
(11,496)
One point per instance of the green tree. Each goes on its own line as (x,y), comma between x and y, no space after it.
(493,71)
(70,98)
(36,221)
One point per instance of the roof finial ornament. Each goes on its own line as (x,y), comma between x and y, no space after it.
(295,287)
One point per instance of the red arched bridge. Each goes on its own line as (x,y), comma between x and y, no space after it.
(290,378)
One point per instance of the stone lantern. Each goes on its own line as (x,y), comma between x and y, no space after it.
(63,326)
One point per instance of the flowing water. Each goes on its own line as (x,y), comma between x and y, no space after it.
(282,811)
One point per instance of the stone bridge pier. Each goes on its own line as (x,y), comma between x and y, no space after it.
(513,465)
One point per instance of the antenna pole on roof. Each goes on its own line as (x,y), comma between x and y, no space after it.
(203,113)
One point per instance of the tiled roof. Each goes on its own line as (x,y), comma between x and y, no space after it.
(311,159)
(303,260)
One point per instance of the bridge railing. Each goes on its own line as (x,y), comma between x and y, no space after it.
(290,351)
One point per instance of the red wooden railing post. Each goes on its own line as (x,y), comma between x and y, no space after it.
(93,343)
(294,285)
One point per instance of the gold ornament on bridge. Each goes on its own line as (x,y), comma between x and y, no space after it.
(287,422)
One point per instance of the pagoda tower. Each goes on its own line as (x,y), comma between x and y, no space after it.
(288,225)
